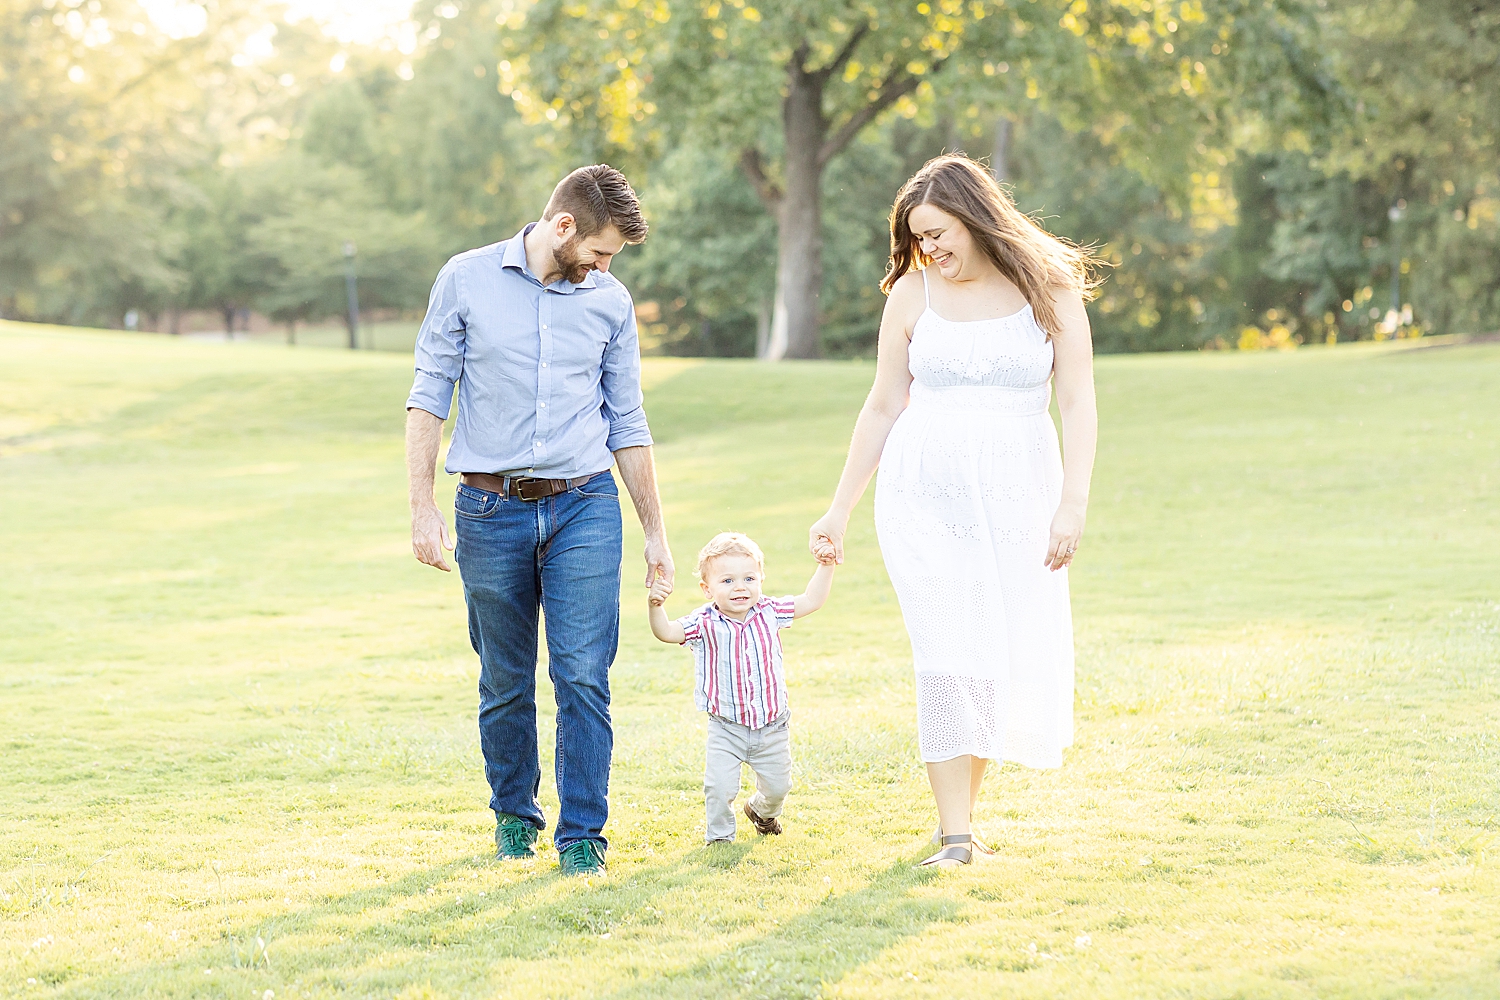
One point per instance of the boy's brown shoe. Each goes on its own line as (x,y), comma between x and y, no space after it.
(762,826)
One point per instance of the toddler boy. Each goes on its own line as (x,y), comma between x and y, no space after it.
(740,682)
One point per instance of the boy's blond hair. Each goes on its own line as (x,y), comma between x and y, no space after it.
(729,543)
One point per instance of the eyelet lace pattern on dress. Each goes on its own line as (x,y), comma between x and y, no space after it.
(969,481)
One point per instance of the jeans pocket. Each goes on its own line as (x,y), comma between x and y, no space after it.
(601,487)
(477,504)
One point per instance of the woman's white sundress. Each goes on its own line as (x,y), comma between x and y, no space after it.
(970,479)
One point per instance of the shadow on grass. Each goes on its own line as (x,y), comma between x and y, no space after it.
(342,944)
(813,949)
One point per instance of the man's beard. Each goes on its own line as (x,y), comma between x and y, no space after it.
(566,259)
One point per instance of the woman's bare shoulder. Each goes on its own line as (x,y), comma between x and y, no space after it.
(1072,317)
(909,285)
(907,299)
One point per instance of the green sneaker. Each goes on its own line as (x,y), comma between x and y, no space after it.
(582,857)
(515,839)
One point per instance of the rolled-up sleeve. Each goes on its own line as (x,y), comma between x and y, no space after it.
(440,347)
(620,382)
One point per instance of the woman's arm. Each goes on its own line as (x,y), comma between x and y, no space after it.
(888,397)
(1073,372)
(816,595)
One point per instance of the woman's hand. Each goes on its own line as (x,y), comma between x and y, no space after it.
(825,540)
(1067,529)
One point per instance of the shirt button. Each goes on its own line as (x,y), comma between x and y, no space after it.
(544,364)
(544,326)
(536,444)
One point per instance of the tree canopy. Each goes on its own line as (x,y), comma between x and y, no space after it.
(1258,173)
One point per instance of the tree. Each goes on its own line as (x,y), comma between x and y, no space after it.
(720,73)
(77,220)
(294,251)
(1422,134)
(785,89)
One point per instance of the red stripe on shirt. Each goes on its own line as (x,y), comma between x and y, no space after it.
(767,672)
(741,676)
(711,661)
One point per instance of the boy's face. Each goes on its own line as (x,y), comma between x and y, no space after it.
(732,582)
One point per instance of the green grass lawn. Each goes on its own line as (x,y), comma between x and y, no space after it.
(240,755)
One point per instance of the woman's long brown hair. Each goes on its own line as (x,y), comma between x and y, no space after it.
(1039,263)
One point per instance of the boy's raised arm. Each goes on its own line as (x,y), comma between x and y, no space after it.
(661,626)
(818,589)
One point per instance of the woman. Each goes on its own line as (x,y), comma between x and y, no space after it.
(977,514)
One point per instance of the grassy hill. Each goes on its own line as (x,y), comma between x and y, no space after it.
(238,718)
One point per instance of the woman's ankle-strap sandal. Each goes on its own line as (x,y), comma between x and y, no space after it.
(979,845)
(960,850)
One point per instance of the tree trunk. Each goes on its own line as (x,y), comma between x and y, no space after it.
(799,265)
(1000,159)
(774,348)
(228,322)
(798,205)
(762,328)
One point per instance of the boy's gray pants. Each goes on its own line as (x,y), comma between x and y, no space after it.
(768,751)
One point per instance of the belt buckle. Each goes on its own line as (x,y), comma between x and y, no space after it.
(524,488)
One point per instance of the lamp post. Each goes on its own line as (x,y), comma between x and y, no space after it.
(1395,216)
(353,293)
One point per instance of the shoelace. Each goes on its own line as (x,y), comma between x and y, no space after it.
(586,854)
(513,838)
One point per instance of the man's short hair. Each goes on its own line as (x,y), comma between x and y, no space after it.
(729,543)
(598,197)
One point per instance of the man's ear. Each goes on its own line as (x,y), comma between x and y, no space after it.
(564,225)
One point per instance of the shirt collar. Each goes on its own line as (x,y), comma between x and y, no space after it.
(515,256)
(760,605)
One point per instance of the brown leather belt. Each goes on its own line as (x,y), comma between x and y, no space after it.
(523,487)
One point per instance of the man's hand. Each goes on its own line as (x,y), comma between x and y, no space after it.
(659,564)
(429,536)
(429,532)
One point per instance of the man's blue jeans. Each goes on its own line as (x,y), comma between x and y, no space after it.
(560,554)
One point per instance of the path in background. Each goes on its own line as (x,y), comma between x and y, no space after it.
(240,746)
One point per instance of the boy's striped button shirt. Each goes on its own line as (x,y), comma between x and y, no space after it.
(739,671)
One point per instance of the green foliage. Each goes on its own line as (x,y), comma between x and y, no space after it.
(295,250)
(1234,160)
(710,262)
(1427,132)
(80,169)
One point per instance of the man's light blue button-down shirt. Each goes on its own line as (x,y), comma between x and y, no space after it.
(549,377)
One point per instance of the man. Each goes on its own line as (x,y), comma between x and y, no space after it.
(540,339)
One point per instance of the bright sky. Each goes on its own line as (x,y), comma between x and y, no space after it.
(352,21)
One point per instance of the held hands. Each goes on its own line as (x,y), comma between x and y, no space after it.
(429,536)
(1067,529)
(660,591)
(659,565)
(825,539)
